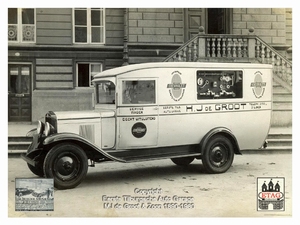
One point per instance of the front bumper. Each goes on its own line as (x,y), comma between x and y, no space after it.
(28,160)
(35,148)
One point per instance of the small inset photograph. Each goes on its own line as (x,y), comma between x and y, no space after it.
(34,194)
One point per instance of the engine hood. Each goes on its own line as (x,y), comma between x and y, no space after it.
(84,123)
(83,115)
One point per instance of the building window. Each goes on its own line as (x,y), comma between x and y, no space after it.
(88,26)
(21,25)
(86,73)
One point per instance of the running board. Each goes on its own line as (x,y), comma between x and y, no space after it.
(147,158)
(135,155)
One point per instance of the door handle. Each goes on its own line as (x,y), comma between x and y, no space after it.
(20,95)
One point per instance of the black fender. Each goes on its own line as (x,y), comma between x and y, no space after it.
(224,131)
(71,137)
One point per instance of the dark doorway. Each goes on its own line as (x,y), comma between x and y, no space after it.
(218,21)
(19,92)
(214,21)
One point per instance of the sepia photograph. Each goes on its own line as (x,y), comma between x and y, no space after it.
(34,194)
(150,112)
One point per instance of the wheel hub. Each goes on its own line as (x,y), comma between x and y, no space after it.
(66,166)
(217,154)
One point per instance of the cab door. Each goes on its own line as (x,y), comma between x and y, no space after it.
(137,119)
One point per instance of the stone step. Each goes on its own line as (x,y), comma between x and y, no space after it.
(19,139)
(280,90)
(282,106)
(281,118)
(279,142)
(273,150)
(282,98)
(12,145)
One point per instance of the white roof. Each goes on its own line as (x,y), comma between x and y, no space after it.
(124,69)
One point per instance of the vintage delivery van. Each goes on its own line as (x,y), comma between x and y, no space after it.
(182,111)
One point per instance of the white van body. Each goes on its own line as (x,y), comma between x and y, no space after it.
(183,119)
(172,110)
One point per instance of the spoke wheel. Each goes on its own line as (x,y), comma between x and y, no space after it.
(67,163)
(184,161)
(218,154)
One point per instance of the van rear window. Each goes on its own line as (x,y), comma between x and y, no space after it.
(223,84)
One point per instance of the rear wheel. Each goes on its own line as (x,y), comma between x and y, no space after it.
(67,163)
(183,161)
(218,154)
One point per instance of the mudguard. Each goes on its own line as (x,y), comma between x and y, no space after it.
(224,131)
(59,137)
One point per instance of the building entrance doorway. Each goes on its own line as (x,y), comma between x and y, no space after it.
(19,92)
(219,21)
(214,21)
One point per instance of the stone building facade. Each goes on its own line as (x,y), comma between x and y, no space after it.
(54,53)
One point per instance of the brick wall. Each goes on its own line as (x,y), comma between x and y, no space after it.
(114,23)
(148,25)
(289,26)
(269,23)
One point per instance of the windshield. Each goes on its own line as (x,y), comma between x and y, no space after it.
(105,92)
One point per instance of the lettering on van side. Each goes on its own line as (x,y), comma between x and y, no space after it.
(130,119)
(136,110)
(227,107)
(215,107)
(172,109)
(176,87)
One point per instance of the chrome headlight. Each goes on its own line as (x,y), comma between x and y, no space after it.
(40,127)
(49,129)
(31,132)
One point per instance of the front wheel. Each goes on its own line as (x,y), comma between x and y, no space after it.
(218,154)
(67,163)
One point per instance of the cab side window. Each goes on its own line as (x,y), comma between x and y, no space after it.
(105,92)
(138,92)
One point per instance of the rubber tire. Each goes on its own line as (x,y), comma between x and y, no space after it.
(56,155)
(183,161)
(223,152)
(35,170)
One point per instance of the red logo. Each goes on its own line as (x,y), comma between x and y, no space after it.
(270,195)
